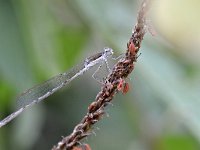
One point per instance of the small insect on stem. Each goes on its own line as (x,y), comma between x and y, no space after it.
(123,86)
(120,85)
(132,48)
(126,88)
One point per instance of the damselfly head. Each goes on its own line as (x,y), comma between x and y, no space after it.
(108,51)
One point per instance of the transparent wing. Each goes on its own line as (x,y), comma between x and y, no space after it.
(45,89)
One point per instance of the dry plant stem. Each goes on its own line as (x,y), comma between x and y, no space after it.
(120,71)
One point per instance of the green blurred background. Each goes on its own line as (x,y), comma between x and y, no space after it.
(41,38)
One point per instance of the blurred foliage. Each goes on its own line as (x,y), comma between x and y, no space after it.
(40,39)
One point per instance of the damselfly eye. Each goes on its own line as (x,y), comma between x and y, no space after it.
(108,51)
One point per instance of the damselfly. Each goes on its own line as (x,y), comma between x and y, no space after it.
(42,91)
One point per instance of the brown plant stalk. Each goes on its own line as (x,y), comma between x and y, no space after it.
(111,86)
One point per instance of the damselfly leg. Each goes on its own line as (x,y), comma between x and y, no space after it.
(101,81)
